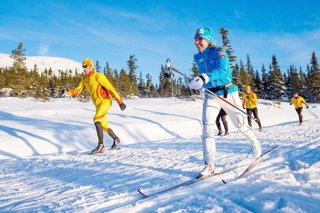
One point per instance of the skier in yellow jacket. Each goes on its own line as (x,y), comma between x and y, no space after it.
(101,92)
(250,103)
(298,101)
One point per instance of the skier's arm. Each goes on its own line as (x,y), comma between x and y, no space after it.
(219,73)
(244,101)
(77,90)
(106,84)
(253,98)
(304,101)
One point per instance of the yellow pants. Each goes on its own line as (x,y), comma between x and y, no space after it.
(101,114)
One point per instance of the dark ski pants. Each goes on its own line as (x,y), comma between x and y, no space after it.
(222,115)
(256,116)
(299,111)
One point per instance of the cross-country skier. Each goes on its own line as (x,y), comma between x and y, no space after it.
(216,76)
(101,92)
(298,101)
(223,116)
(249,102)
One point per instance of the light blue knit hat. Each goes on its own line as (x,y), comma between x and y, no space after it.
(206,33)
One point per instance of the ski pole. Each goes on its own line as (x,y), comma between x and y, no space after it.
(313,114)
(208,91)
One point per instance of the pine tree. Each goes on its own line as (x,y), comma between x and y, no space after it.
(276,87)
(265,82)
(132,74)
(142,86)
(195,69)
(98,67)
(243,77)
(293,82)
(250,71)
(227,46)
(314,79)
(195,72)
(125,83)
(18,57)
(258,85)
(2,78)
(150,88)
(236,75)
(303,83)
(165,88)
(108,73)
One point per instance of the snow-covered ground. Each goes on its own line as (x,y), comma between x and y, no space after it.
(43,62)
(45,164)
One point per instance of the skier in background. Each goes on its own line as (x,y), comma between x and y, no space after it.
(298,101)
(249,102)
(101,92)
(223,116)
(215,75)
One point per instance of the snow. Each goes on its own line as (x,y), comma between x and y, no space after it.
(46,167)
(43,62)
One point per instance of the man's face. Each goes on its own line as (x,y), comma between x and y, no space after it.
(201,44)
(86,69)
(295,95)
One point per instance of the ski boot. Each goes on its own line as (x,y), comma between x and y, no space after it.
(220,133)
(206,171)
(115,143)
(98,149)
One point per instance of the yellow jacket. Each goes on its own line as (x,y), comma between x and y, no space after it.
(249,100)
(298,102)
(98,87)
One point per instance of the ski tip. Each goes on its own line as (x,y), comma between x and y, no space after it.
(141,193)
(223,181)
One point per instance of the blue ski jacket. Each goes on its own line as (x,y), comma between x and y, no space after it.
(214,62)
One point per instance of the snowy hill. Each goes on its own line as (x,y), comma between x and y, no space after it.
(43,62)
(46,167)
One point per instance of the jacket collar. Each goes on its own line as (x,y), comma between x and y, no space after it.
(90,73)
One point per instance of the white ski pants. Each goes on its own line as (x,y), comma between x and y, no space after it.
(211,108)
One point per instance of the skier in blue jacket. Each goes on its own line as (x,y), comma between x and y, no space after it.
(215,75)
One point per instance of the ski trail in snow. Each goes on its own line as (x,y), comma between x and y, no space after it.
(75,181)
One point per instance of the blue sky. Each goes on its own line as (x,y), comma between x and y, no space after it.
(154,30)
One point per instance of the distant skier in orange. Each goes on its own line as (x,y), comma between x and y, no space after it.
(297,101)
(101,92)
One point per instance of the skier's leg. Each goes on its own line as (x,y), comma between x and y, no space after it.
(256,116)
(239,120)
(115,138)
(99,132)
(100,146)
(210,110)
(249,112)
(101,116)
(299,111)
(225,124)
(218,123)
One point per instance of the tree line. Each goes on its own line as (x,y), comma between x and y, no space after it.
(269,82)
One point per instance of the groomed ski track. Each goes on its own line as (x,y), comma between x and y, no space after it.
(287,181)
